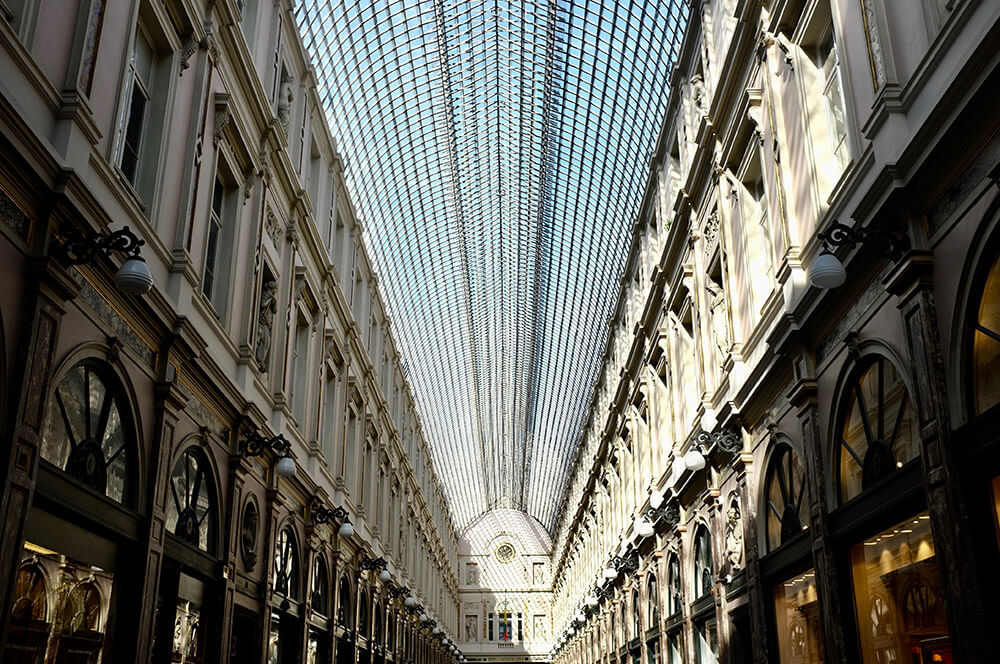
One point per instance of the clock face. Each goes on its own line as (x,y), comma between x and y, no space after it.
(505,552)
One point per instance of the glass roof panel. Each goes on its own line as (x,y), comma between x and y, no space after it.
(497,152)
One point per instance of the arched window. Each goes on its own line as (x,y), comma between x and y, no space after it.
(79,611)
(345,607)
(88,434)
(877,431)
(785,489)
(674,598)
(985,369)
(623,621)
(191,506)
(652,603)
(390,632)
(704,577)
(286,565)
(363,615)
(320,587)
(377,625)
(636,626)
(31,599)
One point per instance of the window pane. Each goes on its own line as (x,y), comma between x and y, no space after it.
(897,596)
(797,620)
(133,133)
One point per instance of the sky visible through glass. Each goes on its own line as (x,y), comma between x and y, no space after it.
(497,153)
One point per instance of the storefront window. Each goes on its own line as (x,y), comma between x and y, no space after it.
(897,596)
(60,609)
(986,344)
(796,613)
(878,432)
(320,588)
(85,433)
(674,648)
(189,634)
(286,565)
(706,642)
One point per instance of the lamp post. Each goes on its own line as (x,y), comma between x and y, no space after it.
(254,445)
(80,248)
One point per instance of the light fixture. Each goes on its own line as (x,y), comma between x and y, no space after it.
(423,617)
(694,460)
(410,601)
(590,600)
(827,271)
(436,630)
(254,445)
(655,499)
(133,277)
(384,576)
(610,573)
(346,529)
(644,528)
(321,514)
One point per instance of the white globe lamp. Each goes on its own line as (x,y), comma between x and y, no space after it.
(827,271)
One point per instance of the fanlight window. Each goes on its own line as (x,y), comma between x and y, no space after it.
(286,565)
(85,433)
(320,587)
(785,490)
(674,598)
(877,435)
(345,607)
(653,602)
(704,577)
(986,343)
(191,506)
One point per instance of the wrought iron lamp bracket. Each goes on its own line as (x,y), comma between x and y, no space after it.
(323,514)
(254,444)
(875,241)
(79,248)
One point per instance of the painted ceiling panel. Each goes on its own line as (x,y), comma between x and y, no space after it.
(497,152)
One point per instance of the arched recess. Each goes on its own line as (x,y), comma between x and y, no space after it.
(192,513)
(874,430)
(675,594)
(363,613)
(652,603)
(320,586)
(90,431)
(783,500)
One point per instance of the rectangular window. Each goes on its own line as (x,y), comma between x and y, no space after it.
(140,81)
(214,231)
(520,627)
(797,621)
(833,96)
(300,368)
(331,394)
(489,621)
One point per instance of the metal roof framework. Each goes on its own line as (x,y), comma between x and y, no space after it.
(497,150)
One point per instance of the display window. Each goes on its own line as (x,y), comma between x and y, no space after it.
(797,620)
(898,596)
(706,636)
(674,648)
(189,634)
(785,491)
(61,609)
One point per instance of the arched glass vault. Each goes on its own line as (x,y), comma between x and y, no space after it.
(497,152)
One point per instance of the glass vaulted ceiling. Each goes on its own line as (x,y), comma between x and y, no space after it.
(497,153)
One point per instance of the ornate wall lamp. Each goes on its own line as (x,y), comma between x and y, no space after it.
(376,565)
(828,272)
(254,445)
(396,592)
(322,514)
(657,512)
(79,248)
(629,563)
